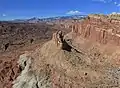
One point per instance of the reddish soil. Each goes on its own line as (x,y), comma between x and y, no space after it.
(15,39)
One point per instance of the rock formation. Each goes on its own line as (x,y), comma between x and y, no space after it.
(87,57)
(56,67)
(100,29)
(15,38)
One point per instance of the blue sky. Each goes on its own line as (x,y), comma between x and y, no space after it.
(15,9)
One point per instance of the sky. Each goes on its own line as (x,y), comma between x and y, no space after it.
(23,9)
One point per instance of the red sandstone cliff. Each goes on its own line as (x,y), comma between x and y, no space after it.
(98,29)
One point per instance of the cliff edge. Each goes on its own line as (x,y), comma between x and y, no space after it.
(60,64)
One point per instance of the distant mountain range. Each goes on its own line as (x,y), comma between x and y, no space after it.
(37,20)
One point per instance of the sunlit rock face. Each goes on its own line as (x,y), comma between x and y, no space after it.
(98,28)
(28,78)
(59,64)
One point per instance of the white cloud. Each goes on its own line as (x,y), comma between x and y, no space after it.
(115,3)
(109,1)
(118,5)
(4,15)
(104,1)
(115,13)
(74,12)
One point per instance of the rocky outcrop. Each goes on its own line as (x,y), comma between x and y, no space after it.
(57,64)
(8,73)
(15,38)
(98,29)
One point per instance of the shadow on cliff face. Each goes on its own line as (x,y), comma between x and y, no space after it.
(6,46)
(66,46)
